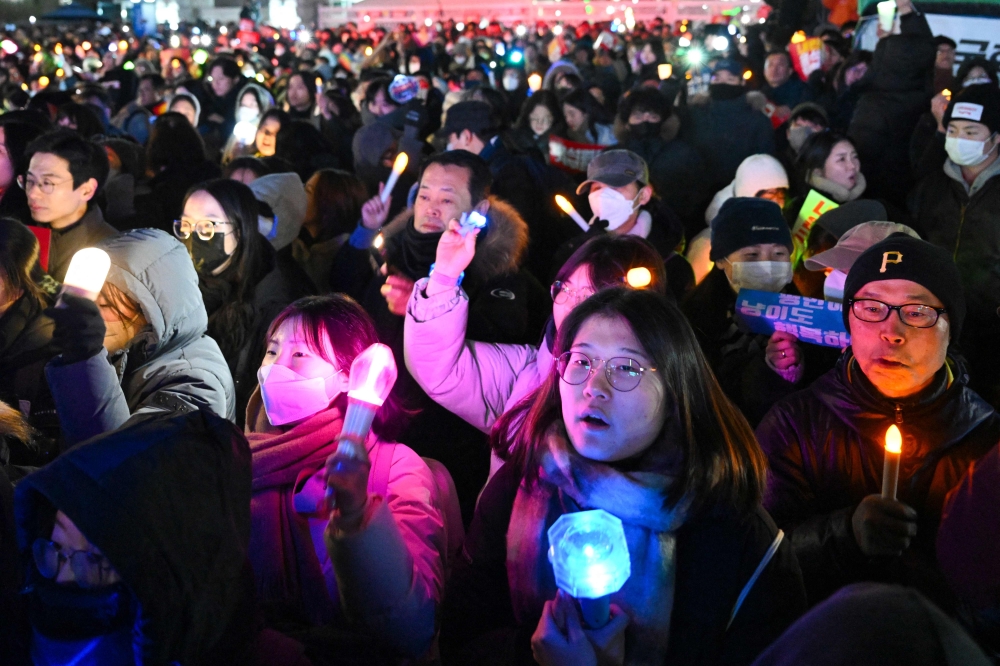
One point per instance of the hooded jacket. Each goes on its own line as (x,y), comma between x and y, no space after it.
(825,446)
(169,366)
(136,494)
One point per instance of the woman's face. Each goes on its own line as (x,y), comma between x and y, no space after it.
(647,55)
(381,105)
(298,93)
(249,101)
(575,290)
(119,331)
(540,119)
(202,206)
(603,423)
(266,133)
(843,165)
(186,109)
(855,73)
(7,174)
(576,119)
(289,347)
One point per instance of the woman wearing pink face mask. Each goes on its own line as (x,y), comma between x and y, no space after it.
(378,557)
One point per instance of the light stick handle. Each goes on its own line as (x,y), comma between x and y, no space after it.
(357,424)
(596,612)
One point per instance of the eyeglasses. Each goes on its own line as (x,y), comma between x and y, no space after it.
(29,183)
(89,568)
(205,229)
(916,315)
(562,292)
(623,373)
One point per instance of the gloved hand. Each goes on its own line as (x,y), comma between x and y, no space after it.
(79,332)
(883,527)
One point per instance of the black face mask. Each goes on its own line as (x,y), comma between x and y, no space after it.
(721,92)
(644,130)
(68,612)
(208,255)
(411,253)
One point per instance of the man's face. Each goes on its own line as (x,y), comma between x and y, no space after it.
(443,195)
(726,77)
(898,359)
(381,105)
(64,204)
(298,93)
(221,84)
(147,93)
(945,57)
(776,70)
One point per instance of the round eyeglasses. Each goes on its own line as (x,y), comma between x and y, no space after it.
(916,315)
(205,229)
(89,568)
(623,373)
(562,292)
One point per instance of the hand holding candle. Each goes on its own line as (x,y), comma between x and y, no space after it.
(567,208)
(373,374)
(398,167)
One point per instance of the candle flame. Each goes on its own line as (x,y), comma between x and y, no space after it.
(640,277)
(564,204)
(946,94)
(399,166)
(893,440)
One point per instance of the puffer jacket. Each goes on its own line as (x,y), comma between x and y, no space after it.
(894,94)
(963,220)
(825,447)
(170,366)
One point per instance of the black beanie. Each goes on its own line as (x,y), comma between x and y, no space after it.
(902,257)
(979,103)
(746,221)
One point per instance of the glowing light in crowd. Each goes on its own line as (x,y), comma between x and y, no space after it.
(684,42)
(696,56)
(260,77)
(501,49)
(557,30)
(245,132)
(460,26)
(516,57)
(590,560)
(223,30)
(368,51)
(88,269)
(373,374)
(38,47)
(665,71)
(58,49)
(60,72)
(8,46)
(720,43)
(890,470)
(200,56)
(732,30)
(129,66)
(378,242)
(567,208)
(398,167)
(639,278)
(86,46)
(484,23)
(747,75)
(946,94)
(798,37)
(521,31)
(43,81)
(304,35)
(113,47)
(611,10)
(535,81)
(428,22)
(123,45)
(367,18)
(175,41)
(31,19)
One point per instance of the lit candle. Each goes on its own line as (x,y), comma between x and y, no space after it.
(946,94)
(590,561)
(398,167)
(373,374)
(638,278)
(890,471)
(567,208)
(88,269)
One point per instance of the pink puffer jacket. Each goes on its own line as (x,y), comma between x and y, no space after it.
(478,381)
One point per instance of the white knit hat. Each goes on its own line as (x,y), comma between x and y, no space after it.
(756,173)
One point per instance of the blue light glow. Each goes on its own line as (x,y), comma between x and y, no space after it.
(589,554)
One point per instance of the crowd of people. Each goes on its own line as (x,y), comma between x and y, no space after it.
(561,233)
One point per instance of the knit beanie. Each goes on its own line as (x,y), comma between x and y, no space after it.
(759,172)
(745,221)
(979,103)
(902,257)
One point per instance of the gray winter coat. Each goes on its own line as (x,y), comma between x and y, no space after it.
(170,366)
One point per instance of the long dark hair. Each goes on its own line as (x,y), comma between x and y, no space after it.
(723,465)
(335,322)
(335,201)
(173,143)
(815,152)
(610,258)
(581,99)
(550,101)
(229,296)
(19,260)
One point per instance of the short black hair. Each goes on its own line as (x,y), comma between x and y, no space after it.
(780,52)
(810,114)
(86,159)
(253,164)
(159,83)
(229,67)
(644,99)
(480,178)
(941,40)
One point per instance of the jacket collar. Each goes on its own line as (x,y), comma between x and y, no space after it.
(954,172)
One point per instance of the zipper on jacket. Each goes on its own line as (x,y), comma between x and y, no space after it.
(899,414)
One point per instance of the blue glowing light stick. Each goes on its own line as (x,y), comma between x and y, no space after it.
(373,374)
(590,560)
(470,221)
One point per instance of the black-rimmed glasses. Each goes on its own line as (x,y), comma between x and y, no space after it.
(916,315)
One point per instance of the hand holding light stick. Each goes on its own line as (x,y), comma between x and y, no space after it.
(471,221)
(567,208)
(398,167)
(373,374)
(88,269)
(890,470)
(590,560)
(886,14)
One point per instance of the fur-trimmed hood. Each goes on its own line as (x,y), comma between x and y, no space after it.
(499,252)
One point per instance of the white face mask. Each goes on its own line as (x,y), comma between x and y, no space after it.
(510,83)
(979,80)
(966,152)
(245,114)
(761,275)
(611,205)
(833,288)
(290,397)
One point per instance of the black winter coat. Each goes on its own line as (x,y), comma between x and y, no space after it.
(895,92)
(717,553)
(825,446)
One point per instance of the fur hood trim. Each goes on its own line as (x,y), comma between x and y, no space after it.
(499,253)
